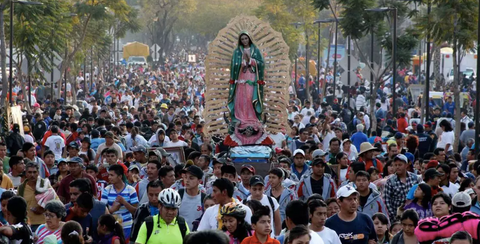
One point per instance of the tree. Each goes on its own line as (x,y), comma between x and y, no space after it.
(160,16)
(356,23)
(461,35)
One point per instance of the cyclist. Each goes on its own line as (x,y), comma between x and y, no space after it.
(166,227)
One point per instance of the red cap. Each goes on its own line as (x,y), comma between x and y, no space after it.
(248,167)
(432,164)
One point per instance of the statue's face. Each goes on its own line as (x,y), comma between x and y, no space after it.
(245,40)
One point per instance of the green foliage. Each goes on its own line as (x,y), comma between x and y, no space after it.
(321,4)
(405,44)
(355,21)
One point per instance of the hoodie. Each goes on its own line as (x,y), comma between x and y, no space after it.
(425,142)
(374,204)
(153,142)
(304,189)
(287,196)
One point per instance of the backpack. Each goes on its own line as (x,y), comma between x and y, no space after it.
(269,200)
(181,192)
(149,224)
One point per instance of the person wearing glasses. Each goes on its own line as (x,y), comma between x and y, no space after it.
(54,212)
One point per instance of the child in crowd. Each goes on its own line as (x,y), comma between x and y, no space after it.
(109,230)
(261,223)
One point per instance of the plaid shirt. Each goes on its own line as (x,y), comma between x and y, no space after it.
(396,193)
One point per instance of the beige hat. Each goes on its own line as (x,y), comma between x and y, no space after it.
(365,147)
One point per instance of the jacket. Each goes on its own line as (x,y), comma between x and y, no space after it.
(287,196)
(374,204)
(398,238)
(304,189)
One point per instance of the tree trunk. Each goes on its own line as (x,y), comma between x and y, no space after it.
(437,57)
(324,85)
(3,55)
(456,95)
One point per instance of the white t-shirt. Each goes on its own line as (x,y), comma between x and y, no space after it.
(209,220)
(266,202)
(191,208)
(278,139)
(451,189)
(56,144)
(328,236)
(446,138)
(179,143)
(16,180)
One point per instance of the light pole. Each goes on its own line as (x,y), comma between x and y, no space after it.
(394,50)
(307,75)
(429,59)
(319,22)
(12,10)
(477,104)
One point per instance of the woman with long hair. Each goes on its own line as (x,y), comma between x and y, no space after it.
(421,202)
(86,150)
(380,222)
(447,137)
(233,217)
(409,222)
(109,230)
(134,139)
(342,160)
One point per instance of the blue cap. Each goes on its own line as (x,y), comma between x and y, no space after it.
(410,157)
(75,160)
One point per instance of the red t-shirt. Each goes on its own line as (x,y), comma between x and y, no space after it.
(103,174)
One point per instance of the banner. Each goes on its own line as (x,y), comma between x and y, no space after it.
(341,52)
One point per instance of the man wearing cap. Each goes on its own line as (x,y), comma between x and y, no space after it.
(217,174)
(109,143)
(230,172)
(192,198)
(349,224)
(397,186)
(366,156)
(299,167)
(258,188)
(432,178)
(75,166)
(461,202)
(73,150)
(317,182)
(246,173)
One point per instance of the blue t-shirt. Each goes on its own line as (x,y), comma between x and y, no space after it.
(357,231)
(359,138)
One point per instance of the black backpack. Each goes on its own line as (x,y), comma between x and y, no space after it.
(181,224)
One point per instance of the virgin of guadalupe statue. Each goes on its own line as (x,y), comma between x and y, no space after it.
(245,98)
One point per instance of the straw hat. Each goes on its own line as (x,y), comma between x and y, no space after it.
(365,147)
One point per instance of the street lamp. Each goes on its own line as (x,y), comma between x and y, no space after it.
(394,48)
(318,43)
(12,5)
(477,104)
(307,74)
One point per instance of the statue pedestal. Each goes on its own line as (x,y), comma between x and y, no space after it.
(256,155)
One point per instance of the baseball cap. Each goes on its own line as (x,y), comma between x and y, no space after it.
(317,161)
(163,152)
(228,169)
(256,179)
(75,160)
(399,135)
(430,173)
(318,153)
(461,200)
(346,191)
(59,161)
(195,171)
(139,149)
(298,151)
(132,167)
(73,145)
(248,167)
(428,124)
(401,157)
(432,164)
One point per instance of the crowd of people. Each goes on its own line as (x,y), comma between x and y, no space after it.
(101,171)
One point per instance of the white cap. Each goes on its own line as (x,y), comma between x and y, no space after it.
(461,200)
(298,151)
(318,153)
(346,191)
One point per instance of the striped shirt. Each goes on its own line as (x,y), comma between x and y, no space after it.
(43,232)
(123,216)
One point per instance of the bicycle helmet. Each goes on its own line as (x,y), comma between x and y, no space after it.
(169,198)
(233,209)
